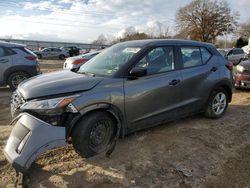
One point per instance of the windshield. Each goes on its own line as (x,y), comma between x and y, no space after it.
(108,62)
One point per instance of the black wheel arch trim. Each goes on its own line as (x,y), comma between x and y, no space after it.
(113,110)
(225,84)
(31,70)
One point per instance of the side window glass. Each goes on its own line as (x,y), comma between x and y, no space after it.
(191,56)
(239,51)
(160,59)
(230,53)
(2,52)
(205,54)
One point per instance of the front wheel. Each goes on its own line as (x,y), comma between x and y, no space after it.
(61,57)
(217,104)
(93,134)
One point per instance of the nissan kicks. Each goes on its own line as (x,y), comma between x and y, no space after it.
(128,87)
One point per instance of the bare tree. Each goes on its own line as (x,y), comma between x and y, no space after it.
(244,30)
(101,40)
(204,20)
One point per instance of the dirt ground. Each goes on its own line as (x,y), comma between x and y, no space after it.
(217,152)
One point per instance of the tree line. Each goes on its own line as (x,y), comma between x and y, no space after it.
(201,20)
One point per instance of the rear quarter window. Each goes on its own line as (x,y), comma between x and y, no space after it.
(206,55)
(194,56)
(6,51)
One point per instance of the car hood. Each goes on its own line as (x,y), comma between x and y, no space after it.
(57,83)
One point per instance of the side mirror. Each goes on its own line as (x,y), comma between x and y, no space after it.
(138,72)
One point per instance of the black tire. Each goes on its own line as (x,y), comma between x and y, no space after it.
(61,56)
(39,56)
(85,134)
(16,78)
(211,111)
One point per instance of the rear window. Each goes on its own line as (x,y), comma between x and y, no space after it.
(26,50)
(29,51)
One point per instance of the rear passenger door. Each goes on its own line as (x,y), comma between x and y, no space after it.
(198,72)
(5,61)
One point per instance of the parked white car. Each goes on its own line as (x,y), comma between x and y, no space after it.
(52,53)
(77,61)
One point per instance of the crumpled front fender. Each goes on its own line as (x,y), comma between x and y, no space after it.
(39,137)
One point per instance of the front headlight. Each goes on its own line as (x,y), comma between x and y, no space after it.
(48,104)
(240,68)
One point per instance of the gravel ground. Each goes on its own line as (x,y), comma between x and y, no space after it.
(217,152)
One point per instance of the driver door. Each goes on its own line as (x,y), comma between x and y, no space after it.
(155,97)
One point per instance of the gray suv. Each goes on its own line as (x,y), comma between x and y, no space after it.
(17,63)
(128,87)
(234,55)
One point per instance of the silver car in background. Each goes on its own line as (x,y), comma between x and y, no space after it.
(52,53)
(17,63)
(234,55)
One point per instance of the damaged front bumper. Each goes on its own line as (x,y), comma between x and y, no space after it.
(30,137)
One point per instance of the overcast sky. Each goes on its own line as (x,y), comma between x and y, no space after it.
(84,20)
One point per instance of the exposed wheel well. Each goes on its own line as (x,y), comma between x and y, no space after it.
(117,121)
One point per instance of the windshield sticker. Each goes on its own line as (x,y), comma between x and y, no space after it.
(131,50)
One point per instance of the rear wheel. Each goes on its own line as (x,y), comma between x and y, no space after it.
(93,134)
(217,103)
(62,56)
(16,78)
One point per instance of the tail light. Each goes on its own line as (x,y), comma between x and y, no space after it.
(79,61)
(31,57)
(230,66)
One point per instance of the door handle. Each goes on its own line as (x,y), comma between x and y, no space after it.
(4,61)
(213,69)
(174,82)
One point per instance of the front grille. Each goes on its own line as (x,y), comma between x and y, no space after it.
(17,100)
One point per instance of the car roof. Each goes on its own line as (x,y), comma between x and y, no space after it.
(156,42)
(11,44)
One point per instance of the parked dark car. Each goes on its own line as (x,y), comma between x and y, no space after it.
(74,63)
(72,50)
(128,87)
(242,77)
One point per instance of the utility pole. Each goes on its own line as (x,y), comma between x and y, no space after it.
(226,34)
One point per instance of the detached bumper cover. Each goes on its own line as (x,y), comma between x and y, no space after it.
(42,137)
